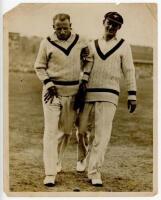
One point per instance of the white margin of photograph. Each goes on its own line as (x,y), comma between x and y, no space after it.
(7,5)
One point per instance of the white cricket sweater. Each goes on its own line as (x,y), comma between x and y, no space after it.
(60,62)
(103,84)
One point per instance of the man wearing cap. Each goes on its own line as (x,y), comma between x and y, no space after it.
(58,66)
(112,56)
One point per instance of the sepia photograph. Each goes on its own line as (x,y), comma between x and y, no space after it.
(80,90)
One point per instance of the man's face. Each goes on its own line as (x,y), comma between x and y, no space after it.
(62,29)
(111,28)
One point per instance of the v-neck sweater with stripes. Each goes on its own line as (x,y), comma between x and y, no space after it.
(103,84)
(60,61)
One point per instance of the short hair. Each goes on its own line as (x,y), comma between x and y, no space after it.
(61,17)
(115,17)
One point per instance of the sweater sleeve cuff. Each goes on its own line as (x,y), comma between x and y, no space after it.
(85,76)
(48,83)
(131,95)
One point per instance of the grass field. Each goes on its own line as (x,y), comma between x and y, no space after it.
(128,162)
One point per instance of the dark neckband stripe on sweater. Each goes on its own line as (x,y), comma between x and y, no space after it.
(103,90)
(110,52)
(68,50)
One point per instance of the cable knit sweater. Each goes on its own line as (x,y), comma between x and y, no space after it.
(104,79)
(59,62)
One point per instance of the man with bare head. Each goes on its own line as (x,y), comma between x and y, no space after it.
(58,66)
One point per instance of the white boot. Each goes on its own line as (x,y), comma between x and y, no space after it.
(81,166)
(97,182)
(49,181)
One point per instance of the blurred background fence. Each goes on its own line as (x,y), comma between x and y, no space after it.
(23,51)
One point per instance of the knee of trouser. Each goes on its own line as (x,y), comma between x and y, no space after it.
(101,144)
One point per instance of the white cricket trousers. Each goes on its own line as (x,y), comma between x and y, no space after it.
(59,118)
(102,114)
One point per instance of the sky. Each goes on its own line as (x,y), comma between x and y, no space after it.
(139,28)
